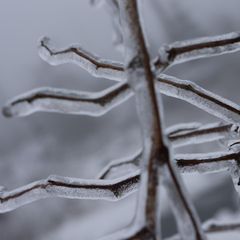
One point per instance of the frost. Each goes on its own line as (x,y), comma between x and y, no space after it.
(199,97)
(75,54)
(72,188)
(185,215)
(206,162)
(203,134)
(121,167)
(182,127)
(183,51)
(68,101)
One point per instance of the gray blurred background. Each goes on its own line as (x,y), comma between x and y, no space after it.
(34,147)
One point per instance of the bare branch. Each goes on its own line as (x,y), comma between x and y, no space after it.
(184,51)
(68,101)
(76,54)
(55,186)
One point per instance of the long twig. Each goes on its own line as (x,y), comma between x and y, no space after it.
(98,103)
(204,134)
(171,54)
(64,187)
(188,50)
(110,190)
(68,101)
(96,66)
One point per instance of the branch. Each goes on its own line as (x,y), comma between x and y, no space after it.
(184,51)
(56,186)
(215,227)
(68,102)
(104,101)
(207,133)
(110,190)
(199,97)
(96,66)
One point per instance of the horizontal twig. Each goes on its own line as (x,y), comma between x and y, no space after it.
(184,51)
(215,228)
(199,97)
(76,54)
(95,104)
(206,133)
(111,190)
(55,186)
(68,101)
(171,54)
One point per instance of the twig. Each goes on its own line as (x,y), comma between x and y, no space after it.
(67,101)
(96,66)
(207,133)
(184,51)
(56,186)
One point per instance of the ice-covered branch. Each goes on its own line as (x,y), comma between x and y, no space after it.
(207,162)
(199,97)
(215,227)
(68,101)
(179,135)
(204,47)
(110,190)
(64,187)
(206,133)
(76,54)
(98,103)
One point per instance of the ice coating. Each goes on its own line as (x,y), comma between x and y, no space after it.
(188,224)
(120,167)
(73,188)
(183,51)
(179,136)
(75,54)
(68,101)
(206,162)
(182,127)
(206,133)
(199,97)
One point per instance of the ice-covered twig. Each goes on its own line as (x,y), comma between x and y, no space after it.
(221,227)
(188,50)
(110,190)
(64,187)
(207,162)
(113,10)
(179,136)
(215,227)
(68,101)
(205,133)
(76,54)
(199,97)
(114,167)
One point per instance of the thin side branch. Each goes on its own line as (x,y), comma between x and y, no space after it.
(184,51)
(75,54)
(206,133)
(110,190)
(67,101)
(215,228)
(199,97)
(64,187)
